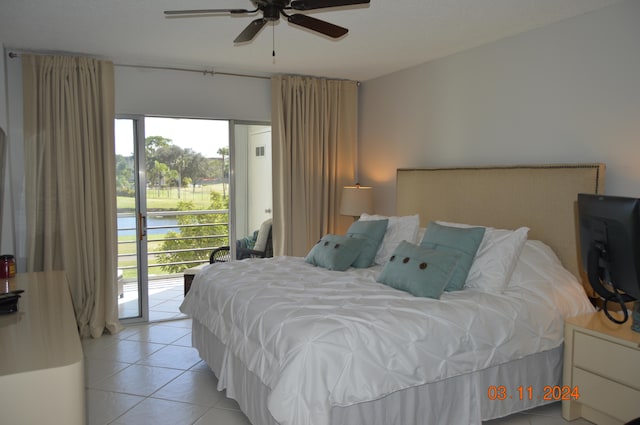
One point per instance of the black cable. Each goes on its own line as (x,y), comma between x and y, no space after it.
(620,301)
(598,272)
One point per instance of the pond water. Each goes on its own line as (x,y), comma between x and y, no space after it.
(129,224)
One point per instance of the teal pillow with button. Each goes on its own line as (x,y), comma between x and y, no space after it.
(463,241)
(372,233)
(334,252)
(422,272)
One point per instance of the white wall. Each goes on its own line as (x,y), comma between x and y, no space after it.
(260,200)
(568,92)
(186,94)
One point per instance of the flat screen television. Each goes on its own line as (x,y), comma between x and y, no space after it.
(610,247)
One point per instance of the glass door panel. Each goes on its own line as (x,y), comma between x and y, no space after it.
(129,221)
(252,178)
(187,201)
(174,192)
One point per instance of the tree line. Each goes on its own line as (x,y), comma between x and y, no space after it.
(169,165)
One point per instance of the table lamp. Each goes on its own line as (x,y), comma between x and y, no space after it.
(356,200)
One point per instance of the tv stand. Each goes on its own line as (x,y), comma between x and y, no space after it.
(41,361)
(601,360)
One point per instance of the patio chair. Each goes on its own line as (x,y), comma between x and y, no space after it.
(262,248)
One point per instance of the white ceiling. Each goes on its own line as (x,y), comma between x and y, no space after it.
(383,37)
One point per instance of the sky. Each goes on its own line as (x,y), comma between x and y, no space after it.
(201,135)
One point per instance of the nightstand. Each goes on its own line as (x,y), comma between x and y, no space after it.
(601,359)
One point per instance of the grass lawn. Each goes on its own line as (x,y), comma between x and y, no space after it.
(167,199)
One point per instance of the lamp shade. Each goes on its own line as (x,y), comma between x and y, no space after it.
(356,200)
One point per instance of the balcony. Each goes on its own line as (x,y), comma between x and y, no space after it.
(176,240)
(165,296)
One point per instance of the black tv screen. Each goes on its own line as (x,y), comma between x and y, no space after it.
(610,236)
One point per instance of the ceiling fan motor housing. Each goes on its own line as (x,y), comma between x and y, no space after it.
(271,8)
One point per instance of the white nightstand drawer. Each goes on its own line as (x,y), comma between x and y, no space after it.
(615,361)
(616,400)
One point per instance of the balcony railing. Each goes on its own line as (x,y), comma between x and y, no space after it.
(159,224)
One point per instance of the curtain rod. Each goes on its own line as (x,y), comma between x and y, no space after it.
(211,72)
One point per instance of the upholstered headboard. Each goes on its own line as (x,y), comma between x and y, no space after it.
(541,197)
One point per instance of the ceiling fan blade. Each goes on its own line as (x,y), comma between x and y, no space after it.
(207,11)
(321,4)
(250,31)
(317,25)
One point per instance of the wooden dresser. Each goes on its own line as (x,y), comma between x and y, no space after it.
(41,360)
(601,360)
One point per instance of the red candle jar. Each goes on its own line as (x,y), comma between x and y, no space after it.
(7,266)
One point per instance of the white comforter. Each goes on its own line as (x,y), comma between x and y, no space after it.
(320,338)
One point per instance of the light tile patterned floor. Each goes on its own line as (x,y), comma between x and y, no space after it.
(149,374)
(165,297)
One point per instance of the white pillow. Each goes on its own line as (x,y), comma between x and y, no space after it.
(398,229)
(496,257)
(540,277)
(537,262)
(263,235)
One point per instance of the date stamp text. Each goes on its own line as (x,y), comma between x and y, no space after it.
(549,393)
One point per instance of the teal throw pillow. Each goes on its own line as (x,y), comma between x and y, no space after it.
(335,252)
(422,272)
(464,241)
(372,233)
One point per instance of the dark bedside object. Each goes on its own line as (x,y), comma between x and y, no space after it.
(189,274)
(9,301)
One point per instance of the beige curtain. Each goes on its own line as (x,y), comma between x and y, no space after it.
(314,124)
(70,181)
(3,161)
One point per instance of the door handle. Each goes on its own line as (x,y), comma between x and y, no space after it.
(268,210)
(142,226)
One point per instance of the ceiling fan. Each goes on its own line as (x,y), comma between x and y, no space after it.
(271,11)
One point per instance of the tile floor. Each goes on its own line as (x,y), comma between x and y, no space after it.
(165,296)
(149,374)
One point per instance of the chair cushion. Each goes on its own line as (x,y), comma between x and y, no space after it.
(263,235)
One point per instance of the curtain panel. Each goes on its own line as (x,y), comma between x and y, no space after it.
(314,131)
(69,144)
(3,176)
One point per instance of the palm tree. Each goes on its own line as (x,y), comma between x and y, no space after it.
(224,152)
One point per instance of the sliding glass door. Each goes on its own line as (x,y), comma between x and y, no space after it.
(252,178)
(173,192)
(130,190)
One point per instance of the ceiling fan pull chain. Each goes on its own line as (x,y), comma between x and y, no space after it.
(273,40)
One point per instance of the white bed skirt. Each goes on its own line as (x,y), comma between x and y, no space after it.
(463,399)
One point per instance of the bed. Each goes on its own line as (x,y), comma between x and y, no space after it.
(296,344)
